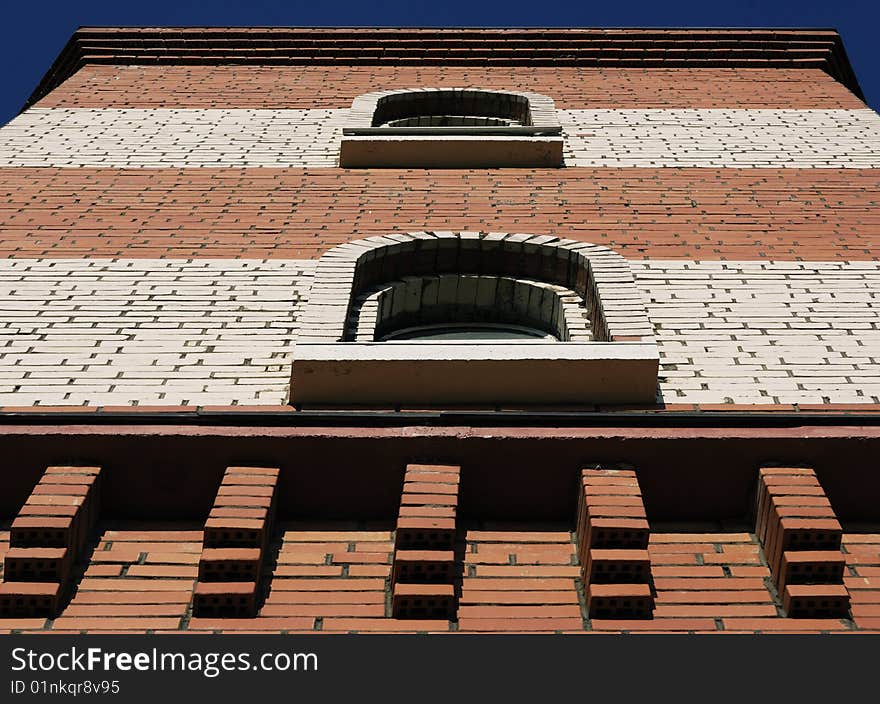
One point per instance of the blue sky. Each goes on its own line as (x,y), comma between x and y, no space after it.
(32,33)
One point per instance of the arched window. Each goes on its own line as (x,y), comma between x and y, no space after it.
(449,317)
(452,108)
(454,127)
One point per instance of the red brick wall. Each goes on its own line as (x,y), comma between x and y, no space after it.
(311,87)
(697,213)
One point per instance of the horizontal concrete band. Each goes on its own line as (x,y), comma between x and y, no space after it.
(518,474)
(157,138)
(662,213)
(93,332)
(300,87)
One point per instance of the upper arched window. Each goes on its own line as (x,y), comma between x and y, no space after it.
(453,108)
(449,128)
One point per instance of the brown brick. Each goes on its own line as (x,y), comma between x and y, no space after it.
(810,567)
(225,599)
(617,566)
(816,601)
(614,601)
(423,566)
(230,565)
(29,599)
(425,534)
(234,532)
(42,531)
(423,601)
(37,565)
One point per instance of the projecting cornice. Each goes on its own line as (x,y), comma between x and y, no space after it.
(611,48)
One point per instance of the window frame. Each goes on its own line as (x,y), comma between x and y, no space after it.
(365,144)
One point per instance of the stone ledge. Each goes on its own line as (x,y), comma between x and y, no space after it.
(419,372)
(458,151)
(455,150)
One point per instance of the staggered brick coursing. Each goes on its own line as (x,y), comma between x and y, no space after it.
(801,537)
(425,568)
(148,331)
(236,540)
(697,214)
(612,534)
(334,87)
(48,537)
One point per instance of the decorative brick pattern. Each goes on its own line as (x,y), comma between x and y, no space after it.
(236,538)
(49,535)
(163,225)
(801,537)
(423,575)
(228,138)
(612,533)
(517,579)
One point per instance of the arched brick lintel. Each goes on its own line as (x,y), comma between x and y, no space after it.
(596,273)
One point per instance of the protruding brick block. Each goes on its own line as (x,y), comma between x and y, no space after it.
(244,508)
(435,474)
(610,512)
(802,534)
(423,566)
(617,533)
(36,565)
(29,599)
(230,565)
(425,533)
(612,536)
(620,566)
(613,601)
(810,567)
(423,601)
(225,599)
(46,538)
(801,538)
(816,601)
(236,537)
(42,531)
(235,532)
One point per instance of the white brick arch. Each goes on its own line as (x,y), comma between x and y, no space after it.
(598,275)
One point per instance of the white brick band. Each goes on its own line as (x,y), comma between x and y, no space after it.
(765,332)
(158,138)
(161,331)
(147,331)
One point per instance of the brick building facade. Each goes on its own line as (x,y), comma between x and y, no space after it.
(205,429)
